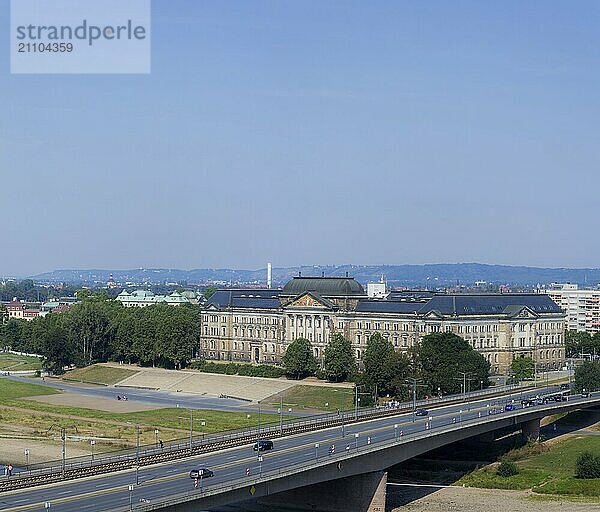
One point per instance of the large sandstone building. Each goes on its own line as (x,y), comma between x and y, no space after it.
(258,325)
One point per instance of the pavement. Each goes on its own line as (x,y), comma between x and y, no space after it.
(154,483)
(152,397)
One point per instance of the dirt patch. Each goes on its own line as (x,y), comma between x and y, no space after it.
(87,402)
(468,499)
(12,451)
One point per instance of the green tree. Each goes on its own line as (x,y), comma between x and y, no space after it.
(522,368)
(209,291)
(56,347)
(578,342)
(338,359)
(3,315)
(384,367)
(587,376)
(298,360)
(441,356)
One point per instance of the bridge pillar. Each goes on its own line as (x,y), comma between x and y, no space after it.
(361,493)
(530,430)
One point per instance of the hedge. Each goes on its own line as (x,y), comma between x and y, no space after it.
(248,370)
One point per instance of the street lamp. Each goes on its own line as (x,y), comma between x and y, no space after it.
(356,440)
(156,437)
(396,431)
(27,459)
(248,418)
(63,437)
(317,451)
(92,443)
(130,488)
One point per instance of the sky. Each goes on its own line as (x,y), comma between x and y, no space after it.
(313,132)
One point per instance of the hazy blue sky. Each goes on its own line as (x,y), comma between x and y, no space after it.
(314,132)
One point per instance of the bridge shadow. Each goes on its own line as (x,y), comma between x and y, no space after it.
(422,476)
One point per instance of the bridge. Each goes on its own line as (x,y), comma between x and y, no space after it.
(302,469)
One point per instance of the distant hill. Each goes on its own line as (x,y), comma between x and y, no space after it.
(443,274)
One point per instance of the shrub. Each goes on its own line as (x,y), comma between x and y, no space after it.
(248,370)
(588,466)
(507,468)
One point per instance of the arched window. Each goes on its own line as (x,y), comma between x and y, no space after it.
(357,353)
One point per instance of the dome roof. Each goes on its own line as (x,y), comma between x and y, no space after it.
(324,286)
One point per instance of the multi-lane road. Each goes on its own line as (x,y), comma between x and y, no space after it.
(155,483)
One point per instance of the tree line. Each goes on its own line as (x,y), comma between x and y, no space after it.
(580,343)
(98,330)
(441,364)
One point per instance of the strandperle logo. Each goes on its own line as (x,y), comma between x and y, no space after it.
(80,36)
(85,31)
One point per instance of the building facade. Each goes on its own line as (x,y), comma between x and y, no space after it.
(582,306)
(143,298)
(258,325)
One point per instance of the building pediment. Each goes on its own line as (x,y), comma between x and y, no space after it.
(518,312)
(434,315)
(309,300)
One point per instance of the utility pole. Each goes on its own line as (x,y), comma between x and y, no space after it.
(280,415)
(63,438)
(191,428)
(414,395)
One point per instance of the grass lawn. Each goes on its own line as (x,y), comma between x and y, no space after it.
(549,472)
(10,389)
(98,374)
(15,362)
(118,427)
(314,397)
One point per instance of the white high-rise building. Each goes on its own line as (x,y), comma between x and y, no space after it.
(582,306)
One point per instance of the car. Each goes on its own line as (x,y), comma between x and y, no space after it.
(421,412)
(527,403)
(201,473)
(564,386)
(509,407)
(541,400)
(263,445)
(585,394)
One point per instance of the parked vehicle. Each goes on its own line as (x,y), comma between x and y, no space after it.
(263,445)
(564,386)
(201,473)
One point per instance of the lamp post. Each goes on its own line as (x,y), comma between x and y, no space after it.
(317,451)
(27,459)
(156,437)
(191,429)
(356,441)
(396,431)
(63,438)
(130,489)
(92,444)
(280,411)
(248,418)
(203,424)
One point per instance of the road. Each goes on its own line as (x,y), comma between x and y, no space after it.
(155,482)
(155,397)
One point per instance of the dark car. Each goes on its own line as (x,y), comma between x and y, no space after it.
(201,473)
(527,403)
(564,386)
(421,412)
(585,394)
(509,407)
(263,445)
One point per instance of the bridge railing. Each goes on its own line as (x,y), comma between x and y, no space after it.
(440,427)
(200,443)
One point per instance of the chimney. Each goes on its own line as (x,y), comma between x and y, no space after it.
(269,275)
